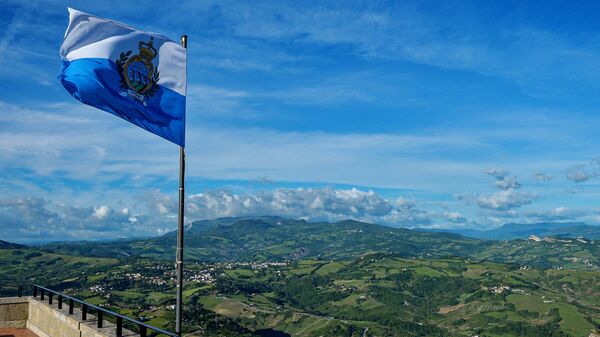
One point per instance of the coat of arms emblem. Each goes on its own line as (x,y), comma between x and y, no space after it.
(139,76)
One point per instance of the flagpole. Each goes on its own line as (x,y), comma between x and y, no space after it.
(179,255)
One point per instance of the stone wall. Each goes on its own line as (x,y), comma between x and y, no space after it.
(14,312)
(47,320)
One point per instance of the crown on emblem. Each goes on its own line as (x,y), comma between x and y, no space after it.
(147,50)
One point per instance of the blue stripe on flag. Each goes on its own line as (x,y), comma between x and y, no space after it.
(95,81)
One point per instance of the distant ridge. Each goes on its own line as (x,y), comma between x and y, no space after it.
(513,231)
(247,239)
(10,245)
(204,225)
(260,238)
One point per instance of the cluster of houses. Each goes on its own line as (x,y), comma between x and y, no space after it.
(506,289)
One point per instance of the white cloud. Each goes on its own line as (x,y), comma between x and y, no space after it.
(36,219)
(497,173)
(455,217)
(560,213)
(505,200)
(507,183)
(503,179)
(583,172)
(100,212)
(309,203)
(539,176)
(579,176)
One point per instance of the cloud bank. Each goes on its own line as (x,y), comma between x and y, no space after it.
(154,213)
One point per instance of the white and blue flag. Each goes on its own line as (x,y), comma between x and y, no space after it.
(136,75)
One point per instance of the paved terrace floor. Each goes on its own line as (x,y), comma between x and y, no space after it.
(15,332)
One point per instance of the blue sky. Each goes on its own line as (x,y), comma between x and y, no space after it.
(411,113)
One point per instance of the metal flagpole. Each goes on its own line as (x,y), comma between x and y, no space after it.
(179,257)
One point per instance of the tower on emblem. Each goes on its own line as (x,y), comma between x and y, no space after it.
(138,74)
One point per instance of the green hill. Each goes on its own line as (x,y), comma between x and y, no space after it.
(272,238)
(279,239)
(21,265)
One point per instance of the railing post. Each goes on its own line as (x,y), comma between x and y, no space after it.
(60,300)
(43,293)
(100,318)
(119,327)
(34,291)
(84,312)
(71,306)
(50,295)
(20,291)
(143,331)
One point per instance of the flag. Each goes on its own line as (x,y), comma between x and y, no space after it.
(136,75)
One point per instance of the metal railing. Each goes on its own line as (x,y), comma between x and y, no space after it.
(100,312)
(12,289)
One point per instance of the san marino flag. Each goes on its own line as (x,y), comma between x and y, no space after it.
(136,75)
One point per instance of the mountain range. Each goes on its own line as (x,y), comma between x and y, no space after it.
(513,231)
(275,238)
(279,239)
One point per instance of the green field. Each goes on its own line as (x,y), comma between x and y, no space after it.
(383,295)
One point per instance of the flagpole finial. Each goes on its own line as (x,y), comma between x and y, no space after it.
(184,41)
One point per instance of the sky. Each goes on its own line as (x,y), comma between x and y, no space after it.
(437,114)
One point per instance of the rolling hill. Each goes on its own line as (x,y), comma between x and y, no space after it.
(274,238)
(386,295)
(278,239)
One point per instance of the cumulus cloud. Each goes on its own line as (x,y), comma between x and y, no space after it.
(507,183)
(405,213)
(455,217)
(309,203)
(579,175)
(507,199)
(497,173)
(539,176)
(154,213)
(37,219)
(584,172)
(504,180)
(100,212)
(316,204)
(557,214)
